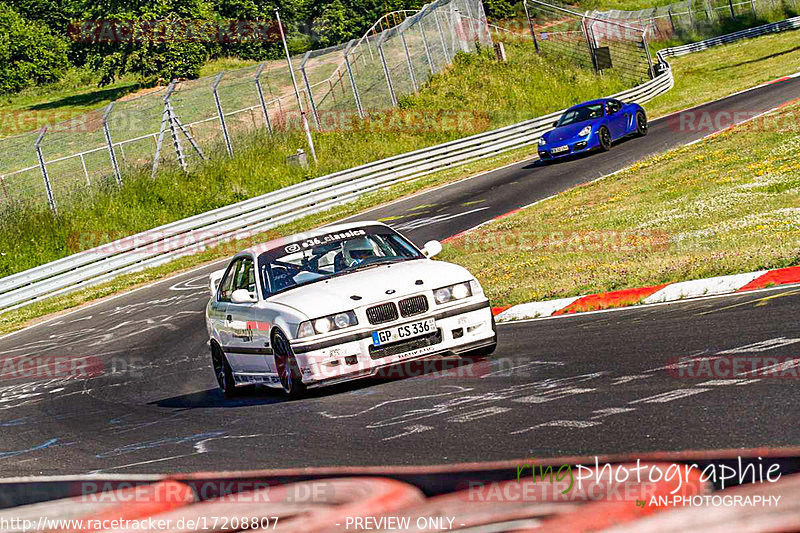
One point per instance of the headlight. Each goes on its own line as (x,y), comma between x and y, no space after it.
(542,142)
(585,131)
(452,292)
(327,324)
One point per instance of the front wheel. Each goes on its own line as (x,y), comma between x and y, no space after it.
(223,372)
(641,124)
(604,137)
(288,369)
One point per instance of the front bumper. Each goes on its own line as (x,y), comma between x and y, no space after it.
(459,329)
(574,146)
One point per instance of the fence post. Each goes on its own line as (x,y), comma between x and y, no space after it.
(425,42)
(165,118)
(221,115)
(589,43)
(651,71)
(85,172)
(530,25)
(441,35)
(386,73)
(730,5)
(261,96)
(471,22)
(303,117)
(753,5)
(353,79)
(309,95)
(38,145)
(111,153)
(408,59)
(671,22)
(5,187)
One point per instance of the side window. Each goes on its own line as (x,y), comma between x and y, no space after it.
(226,286)
(245,276)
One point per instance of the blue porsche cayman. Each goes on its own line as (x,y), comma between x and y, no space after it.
(592,125)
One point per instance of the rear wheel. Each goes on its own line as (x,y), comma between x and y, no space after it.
(641,124)
(223,372)
(288,369)
(604,137)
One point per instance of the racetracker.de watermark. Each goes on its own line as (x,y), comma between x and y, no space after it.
(183,30)
(734,367)
(567,241)
(51,366)
(711,121)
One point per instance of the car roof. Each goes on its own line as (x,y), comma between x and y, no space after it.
(589,102)
(333,228)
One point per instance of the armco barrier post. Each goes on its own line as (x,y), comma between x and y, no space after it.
(353,79)
(110,145)
(261,97)
(38,145)
(220,114)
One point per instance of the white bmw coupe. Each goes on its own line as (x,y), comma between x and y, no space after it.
(337,304)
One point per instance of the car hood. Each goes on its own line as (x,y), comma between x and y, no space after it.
(333,295)
(566,132)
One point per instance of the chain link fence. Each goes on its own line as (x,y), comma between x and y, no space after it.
(698,17)
(183,123)
(591,42)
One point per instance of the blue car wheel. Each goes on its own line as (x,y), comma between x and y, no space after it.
(604,137)
(641,124)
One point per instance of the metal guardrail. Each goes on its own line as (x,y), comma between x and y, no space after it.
(165,243)
(775,27)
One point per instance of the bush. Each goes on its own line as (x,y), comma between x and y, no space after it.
(30,54)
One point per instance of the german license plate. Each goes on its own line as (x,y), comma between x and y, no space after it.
(559,149)
(406,331)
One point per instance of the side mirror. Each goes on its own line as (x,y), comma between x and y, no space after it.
(213,281)
(555,124)
(242,296)
(431,248)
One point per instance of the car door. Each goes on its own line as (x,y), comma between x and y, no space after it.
(617,121)
(246,345)
(218,314)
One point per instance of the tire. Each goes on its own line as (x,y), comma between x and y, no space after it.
(641,124)
(223,372)
(288,369)
(604,138)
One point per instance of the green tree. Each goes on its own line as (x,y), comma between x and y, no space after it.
(167,39)
(334,26)
(30,54)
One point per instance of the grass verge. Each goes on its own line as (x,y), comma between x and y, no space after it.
(726,205)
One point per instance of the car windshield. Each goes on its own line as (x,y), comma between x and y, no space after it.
(579,114)
(333,254)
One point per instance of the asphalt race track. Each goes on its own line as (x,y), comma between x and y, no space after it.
(587,384)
